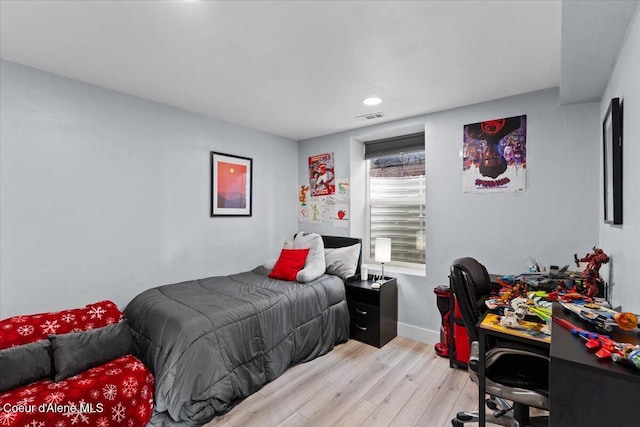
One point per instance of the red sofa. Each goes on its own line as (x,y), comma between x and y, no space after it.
(113,392)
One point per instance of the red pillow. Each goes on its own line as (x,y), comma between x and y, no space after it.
(291,261)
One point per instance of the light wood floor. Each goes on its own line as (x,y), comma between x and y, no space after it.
(402,384)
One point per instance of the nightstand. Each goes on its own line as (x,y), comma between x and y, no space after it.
(374,312)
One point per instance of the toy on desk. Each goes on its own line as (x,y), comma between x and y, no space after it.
(627,321)
(518,308)
(507,293)
(604,346)
(631,354)
(537,307)
(534,267)
(591,275)
(602,317)
(510,320)
(571,295)
(543,281)
(511,287)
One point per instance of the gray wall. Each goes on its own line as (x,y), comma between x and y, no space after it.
(553,219)
(104,195)
(622,243)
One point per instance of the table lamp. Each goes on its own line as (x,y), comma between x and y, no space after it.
(382,253)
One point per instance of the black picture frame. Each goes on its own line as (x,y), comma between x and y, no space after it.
(231,185)
(612,163)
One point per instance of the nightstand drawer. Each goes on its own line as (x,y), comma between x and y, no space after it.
(366,332)
(364,312)
(363,295)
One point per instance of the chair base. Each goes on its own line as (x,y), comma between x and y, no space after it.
(501,413)
(506,420)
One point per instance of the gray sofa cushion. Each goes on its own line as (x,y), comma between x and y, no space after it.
(24,364)
(76,352)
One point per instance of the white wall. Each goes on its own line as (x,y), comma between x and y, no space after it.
(104,195)
(622,242)
(553,219)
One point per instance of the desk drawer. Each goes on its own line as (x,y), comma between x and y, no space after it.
(367,332)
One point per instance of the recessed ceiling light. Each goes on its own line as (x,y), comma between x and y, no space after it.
(372,101)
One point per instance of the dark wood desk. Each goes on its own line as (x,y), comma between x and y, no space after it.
(585,391)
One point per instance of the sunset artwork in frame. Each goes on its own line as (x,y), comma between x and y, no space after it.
(231,179)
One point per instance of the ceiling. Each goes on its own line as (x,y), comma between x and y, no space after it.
(295,69)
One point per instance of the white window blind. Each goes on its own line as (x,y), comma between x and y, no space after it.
(396,203)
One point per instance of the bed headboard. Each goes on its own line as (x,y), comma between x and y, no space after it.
(341,242)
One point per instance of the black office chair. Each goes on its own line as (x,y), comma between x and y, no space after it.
(513,373)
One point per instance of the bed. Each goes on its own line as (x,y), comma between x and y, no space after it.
(213,341)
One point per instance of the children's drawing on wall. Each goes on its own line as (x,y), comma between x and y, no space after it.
(332,208)
(341,215)
(314,212)
(327,207)
(341,208)
(342,190)
(303,214)
(303,194)
(321,175)
(303,207)
(495,156)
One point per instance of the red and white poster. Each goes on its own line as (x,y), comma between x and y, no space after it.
(322,180)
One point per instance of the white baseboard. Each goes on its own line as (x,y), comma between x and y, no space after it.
(419,334)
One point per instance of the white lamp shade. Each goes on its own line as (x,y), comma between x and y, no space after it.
(383,249)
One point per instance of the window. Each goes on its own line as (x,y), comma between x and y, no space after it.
(396,198)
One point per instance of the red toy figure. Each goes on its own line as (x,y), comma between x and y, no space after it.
(590,282)
(603,346)
(591,275)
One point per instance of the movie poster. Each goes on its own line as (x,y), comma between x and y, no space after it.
(321,175)
(495,156)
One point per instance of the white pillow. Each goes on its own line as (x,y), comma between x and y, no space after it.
(270,264)
(343,262)
(315,264)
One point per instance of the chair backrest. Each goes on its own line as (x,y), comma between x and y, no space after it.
(470,282)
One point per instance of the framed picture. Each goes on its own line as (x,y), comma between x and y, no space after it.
(612,168)
(231,181)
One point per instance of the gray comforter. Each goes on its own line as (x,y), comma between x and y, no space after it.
(210,342)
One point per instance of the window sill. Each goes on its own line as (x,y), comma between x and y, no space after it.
(409,271)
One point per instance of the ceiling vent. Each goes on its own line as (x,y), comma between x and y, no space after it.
(370,116)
